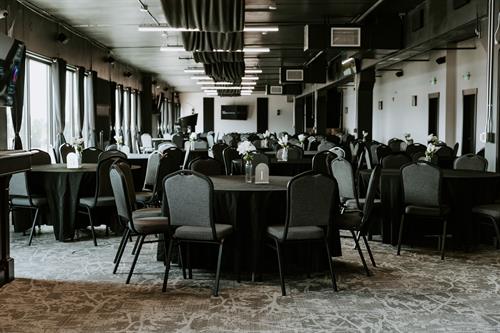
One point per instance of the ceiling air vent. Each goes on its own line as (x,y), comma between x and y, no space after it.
(294,75)
(345,37)
(275,90)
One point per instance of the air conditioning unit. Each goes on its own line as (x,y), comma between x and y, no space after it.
(345,37)
(275,90)
(295,75)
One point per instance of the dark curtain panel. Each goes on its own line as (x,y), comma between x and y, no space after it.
(19,63)
(208,41)
(112,112)
(226,71)
(205,15)
(58,70)
(80,90)
(216,57)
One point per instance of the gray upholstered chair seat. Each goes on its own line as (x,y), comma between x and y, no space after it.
(203,233)
(143,196)
(151,225)
(427,211)
(107,201)
(296,233)
(351,203)
(24,201)
(492,210)
(348,221)
(146,212)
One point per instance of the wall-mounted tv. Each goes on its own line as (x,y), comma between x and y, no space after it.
(234,112)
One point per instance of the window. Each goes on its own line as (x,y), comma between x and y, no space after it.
(71,131)
(37,106)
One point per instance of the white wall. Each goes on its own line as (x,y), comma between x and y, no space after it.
(283,122)
(399,117)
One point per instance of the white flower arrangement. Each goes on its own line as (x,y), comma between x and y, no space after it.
(283,141)
(302,138)
(267,134)
(431,147)
(365,134)
(245,149)
(78,144)
(407,136)
(118,139)
(193,137)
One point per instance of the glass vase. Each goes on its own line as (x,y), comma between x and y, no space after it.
(284,157)
(191,145)
(248,172)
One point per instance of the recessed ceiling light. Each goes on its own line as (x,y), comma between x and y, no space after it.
(201,78)
(172,49)
(246,49)
(194,71)
(250,83)
(163,28)
(272,7)
(261,29)
(250,78)
(253,71)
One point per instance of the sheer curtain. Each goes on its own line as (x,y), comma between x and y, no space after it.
(139,110)
(89,117)
(58,74)
(133,121)
(118,111)
(126,117)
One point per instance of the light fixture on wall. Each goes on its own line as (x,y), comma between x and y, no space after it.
(399,73)
(62,38)
(441,60)
(434,81)
(127,74)
(466,76)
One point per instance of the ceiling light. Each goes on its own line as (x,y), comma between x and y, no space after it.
(272,7)
(201,78)
(256,50)
(212,94)
(255,78)
(253,71)
(172,49)
(250,83)
(261,29)
(194,71)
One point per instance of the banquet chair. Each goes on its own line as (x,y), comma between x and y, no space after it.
(445,156)
(310,140)
(455,149)
(396,145)
(395,160)
(200,144)
(258,158)
(359,221)
(471,162)
(21,197)
(111,153)
(210,139)
(490,214)
(103,194)
(343,173)
(230,154)
(325,145)
(421,190)
(112,146)
(178,140)
(193,225)
(176,154)
(381,152)
(151,171)
(206,166)
(311,206)
(321,162)
(165,145)
(40,157)
(64,150)
(91,155)
(338,151)
(146,143)
(137,222)
(414,148)
(217,150)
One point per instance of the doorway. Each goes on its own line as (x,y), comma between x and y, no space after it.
(469,121)
(433,127)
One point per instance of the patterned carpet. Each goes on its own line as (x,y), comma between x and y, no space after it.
(68,287)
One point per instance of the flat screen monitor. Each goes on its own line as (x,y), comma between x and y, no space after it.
(188,121)
(234,112)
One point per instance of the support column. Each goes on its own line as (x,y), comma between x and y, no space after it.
(364,97)
(146,104)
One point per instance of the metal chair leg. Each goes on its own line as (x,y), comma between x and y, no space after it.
(92,226)
(360,254)
(135,245)
(444,239)
(497,232)
(188,259)
(330,264)
(142,237)
(400,238)
(280,267)
(181,261)
(120,253)
(123,241)
(167,267)
(217,274)
(33,226)
(369,251)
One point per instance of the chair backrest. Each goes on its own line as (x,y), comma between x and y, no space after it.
(169,163)
(381,152)
(325,145)
(103,183)
(217,150)
(444,151)
(311,201)
(206,166)
(421,184)
(178,140)
(321,162)
(151,171)
(418,156)
(39,157)
(64,150)
(313,145)
(120,177)
(176,154)
(187,154)
(338,151)
(210,140)
(415,148)
(395,161)
(258,158)
(373,153)
(146,140)
(91,155)
(165,145)
(229,154)
(481,152)
(455,149)
(470,162)
(396,145)
(112,153)
(343,173)
(189,200)
(18,185)
(111,147)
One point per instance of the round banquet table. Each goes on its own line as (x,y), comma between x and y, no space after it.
(288,168)
(63,188)
(250,208)
(461,190)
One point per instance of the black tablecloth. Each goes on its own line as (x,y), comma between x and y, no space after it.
(250,208)
(288,168)
(462,189)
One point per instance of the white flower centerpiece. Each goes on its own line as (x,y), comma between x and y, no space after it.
(283,142)
(266,136)
(365,135)
(245,149)
(119,141)
(432,147)
(408,138)
(192,138)
(78,147)
(302,139)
